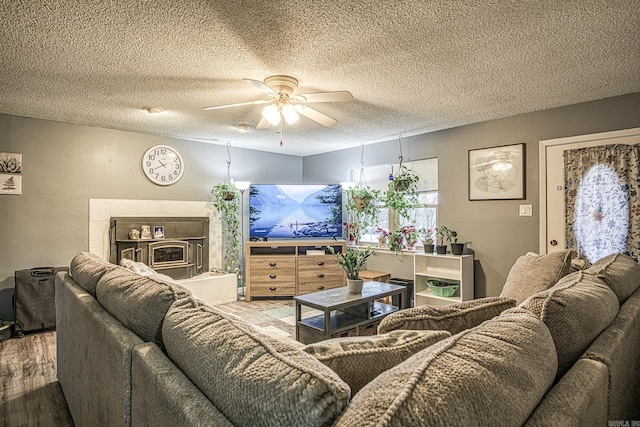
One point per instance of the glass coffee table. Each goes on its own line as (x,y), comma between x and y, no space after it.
(345,314)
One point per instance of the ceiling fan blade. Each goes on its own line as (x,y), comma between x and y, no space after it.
(339,96)
(315,115)
(260,85)
(239,104)
(262,124)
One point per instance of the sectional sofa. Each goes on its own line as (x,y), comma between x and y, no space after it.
(141,350)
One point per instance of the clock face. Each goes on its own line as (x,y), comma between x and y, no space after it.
(162,165)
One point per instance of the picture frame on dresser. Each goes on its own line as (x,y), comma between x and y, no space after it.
(497,173)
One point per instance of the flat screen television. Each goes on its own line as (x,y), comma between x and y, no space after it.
(282,211)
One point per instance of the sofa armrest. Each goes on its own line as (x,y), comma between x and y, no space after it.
(453,318)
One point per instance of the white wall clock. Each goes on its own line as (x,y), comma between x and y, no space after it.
(162,165)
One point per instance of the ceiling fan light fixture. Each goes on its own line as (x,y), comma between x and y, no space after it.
(290,114)
(272,114)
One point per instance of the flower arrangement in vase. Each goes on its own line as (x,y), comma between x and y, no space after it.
(383,236)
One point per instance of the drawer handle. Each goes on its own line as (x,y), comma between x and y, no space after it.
(272,264)
(272,288)
(272,276)
(320,262)
(321,275)
(320,287)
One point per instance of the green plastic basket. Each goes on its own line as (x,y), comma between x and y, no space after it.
(442,291)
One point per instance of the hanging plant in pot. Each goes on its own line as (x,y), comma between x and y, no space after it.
(403,201)
(352,261)
(229,209)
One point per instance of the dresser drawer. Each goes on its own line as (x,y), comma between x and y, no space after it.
(273,289)
(316,273)
(272,270)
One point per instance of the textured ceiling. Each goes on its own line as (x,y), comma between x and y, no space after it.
(412,66)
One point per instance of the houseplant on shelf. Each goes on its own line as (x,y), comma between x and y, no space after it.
(443,235)
(426,235)
(226,203)
(383,236)
(352,261)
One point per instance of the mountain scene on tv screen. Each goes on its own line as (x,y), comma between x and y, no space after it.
(281,211)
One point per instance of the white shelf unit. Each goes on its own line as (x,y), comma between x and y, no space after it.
(450,268)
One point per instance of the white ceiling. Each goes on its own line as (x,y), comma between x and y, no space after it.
(413,66)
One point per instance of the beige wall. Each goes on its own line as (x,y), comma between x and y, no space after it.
(493,229)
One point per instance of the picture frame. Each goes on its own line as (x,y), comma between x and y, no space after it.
(497,173)
(158,232)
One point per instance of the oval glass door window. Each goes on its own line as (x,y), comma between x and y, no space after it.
(601,217)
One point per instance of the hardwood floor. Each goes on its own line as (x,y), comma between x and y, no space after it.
(30,394)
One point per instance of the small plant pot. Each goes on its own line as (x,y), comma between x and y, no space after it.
(229,196)
(401,185)
(457,248)
(355,285)
(360,202)
(441,249)
(428,249)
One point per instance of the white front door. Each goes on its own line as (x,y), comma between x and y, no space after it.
(552,198)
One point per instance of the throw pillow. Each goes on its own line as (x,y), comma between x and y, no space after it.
(534,273)
(453,318)
(137,267)
(358,360)
(253,379)
(138,302)
(620,272)
(575,310)
(87,269)
(491,375)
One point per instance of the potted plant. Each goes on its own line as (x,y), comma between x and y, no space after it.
(383,236)
(228,206)
(361,208)
(396,239)
(361,198)
(443,235)
(352,261)
(353,232)
(410,235)
(456,248)
(402,197)
(426,235)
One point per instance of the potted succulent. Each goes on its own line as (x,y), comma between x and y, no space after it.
(352,261)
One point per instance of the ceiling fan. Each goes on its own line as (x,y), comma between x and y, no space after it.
(285,103)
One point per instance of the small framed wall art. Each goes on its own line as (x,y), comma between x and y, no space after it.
(158,232)
(10,173)
(497,173)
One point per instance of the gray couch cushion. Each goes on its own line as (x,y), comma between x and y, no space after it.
(358,360)
(253,379)
(87,269)
(453,318)
(620,272)
(139,302)
(534,273)
(491,375)
(576,310)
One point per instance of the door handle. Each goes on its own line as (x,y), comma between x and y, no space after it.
(553,243)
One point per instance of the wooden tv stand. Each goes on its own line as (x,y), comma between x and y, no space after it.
(283,268)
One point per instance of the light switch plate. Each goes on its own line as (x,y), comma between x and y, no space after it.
(526,210)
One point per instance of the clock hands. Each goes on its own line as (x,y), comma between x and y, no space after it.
(162,164)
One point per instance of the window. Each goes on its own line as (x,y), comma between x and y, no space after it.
(377,177)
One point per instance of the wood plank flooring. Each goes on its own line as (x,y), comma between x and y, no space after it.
(30,394)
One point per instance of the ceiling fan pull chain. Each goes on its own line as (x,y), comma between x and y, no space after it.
(280,133)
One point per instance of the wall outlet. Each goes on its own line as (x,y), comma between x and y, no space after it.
(526,210)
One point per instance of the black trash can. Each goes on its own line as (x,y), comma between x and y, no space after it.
(35,300)
(408,283)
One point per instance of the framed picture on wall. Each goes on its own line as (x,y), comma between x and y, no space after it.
(497,173)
